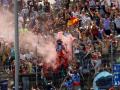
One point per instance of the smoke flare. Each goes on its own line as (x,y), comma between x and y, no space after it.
(42,45)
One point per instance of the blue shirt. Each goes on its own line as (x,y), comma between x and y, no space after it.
(106,24)
(76,77)
(68,84)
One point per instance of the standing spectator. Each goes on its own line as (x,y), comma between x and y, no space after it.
(100,34)
(12,53)
(76,81)
(75,12)
(24,14)
(117,23)
(94,32)
(92,4)
(97,18)
(108,3)
(102,8)
(40,6)
(47,6)
(96,60)
(106,24)
(68,84)
(66,3)
(30,5)
(20,5)
(84,19)
(25,81)
(58,4)
(30,67)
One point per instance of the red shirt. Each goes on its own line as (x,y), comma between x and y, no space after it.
(76,83)
(94,31)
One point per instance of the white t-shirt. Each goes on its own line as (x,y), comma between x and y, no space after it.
(22,57)
(28,56)
(85,20)
(75,14)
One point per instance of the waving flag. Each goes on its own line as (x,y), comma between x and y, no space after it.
(72,21)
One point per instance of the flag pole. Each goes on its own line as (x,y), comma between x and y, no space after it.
(16,43)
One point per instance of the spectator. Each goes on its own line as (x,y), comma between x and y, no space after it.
(117,23)
(106,24)
(68,84)
(66,3)
(76,81)
(75,13)
(93,38)
(92,3)
(94,32)
(96,60)
(46,6)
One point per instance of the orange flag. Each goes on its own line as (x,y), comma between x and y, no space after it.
(72,21)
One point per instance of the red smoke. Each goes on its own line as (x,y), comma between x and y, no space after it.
(45,45)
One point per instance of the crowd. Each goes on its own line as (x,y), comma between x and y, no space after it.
(94,23)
